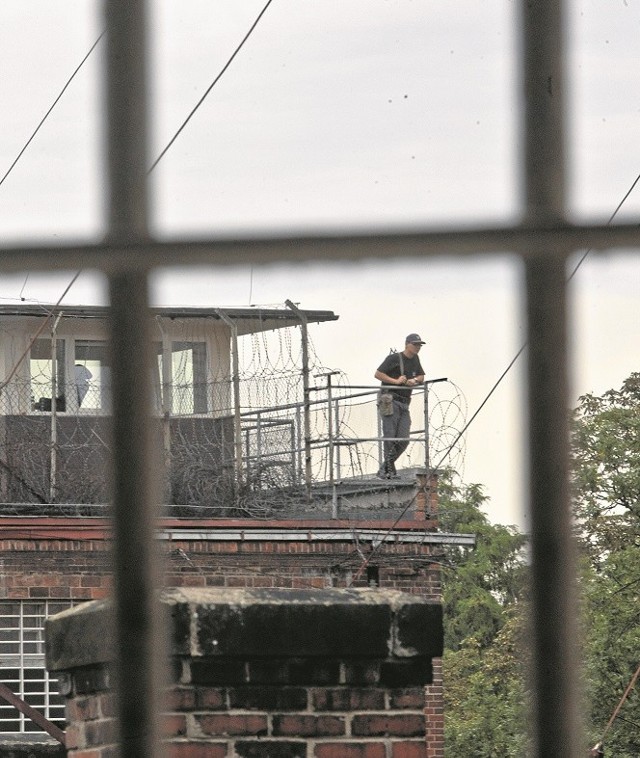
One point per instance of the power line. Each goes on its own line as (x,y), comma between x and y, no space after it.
(211,86)
(491,391)
(616,711)
(155,163)
(49,315)
(524,346)
(53,105)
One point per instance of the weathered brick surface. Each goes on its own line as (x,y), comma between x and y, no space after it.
(409,749)
(232,724)
(353,750)
(195,750)
(395,725)
(270,749)
(268,698)
(290,725)
(356,703)
(348,699)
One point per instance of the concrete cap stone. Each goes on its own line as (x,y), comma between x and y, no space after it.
(252,623)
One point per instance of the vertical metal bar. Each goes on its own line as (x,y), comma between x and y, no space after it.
(336,416)
(138,628)
(332,476)
(554,630)
(258,465)
(237,418)
(53,454)
(306,395)
(167,399)
(134,500)
(427,455)
(298,446)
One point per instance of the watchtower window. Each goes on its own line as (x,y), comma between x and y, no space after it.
(92,377)
(188,377)
(41,370)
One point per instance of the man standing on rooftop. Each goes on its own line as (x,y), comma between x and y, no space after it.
(399,373)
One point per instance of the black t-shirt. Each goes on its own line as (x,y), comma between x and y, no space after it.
(411,367)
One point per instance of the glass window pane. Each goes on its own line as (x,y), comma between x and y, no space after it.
(41,371)
(92,374)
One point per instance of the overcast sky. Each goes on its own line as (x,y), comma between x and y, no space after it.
(342,114)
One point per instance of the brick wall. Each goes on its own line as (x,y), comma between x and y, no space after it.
(267,674)
(59,567)
(54,569)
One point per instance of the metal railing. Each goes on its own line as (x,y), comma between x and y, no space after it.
(543,240)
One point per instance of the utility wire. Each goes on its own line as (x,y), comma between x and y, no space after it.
(522,349)
(488,396)
(55,102)
(39,331)
(211,86)
(155,163)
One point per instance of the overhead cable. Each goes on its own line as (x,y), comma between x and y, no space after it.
(53,105)
(211,86)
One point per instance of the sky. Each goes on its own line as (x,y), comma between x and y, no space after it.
(344,115)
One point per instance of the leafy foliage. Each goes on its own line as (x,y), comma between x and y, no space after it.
(479,583)
(606,451)
(606,457)
(486,701)
(483,592)
(485,595)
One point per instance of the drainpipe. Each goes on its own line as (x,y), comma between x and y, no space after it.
(237,425)
(306,396)
(53,473)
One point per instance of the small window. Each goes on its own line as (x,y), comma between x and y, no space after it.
(188,378)
(22,666)
(92,376)
(41,369)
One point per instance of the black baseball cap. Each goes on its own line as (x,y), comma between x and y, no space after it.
(416,339)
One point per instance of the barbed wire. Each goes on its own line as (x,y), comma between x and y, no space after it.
(231,445)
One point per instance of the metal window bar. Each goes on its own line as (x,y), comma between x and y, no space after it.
(543,241)
(22,665)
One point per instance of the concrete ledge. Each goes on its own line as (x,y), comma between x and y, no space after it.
(245,623)
(30,749)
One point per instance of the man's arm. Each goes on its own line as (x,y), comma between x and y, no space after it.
(382,377)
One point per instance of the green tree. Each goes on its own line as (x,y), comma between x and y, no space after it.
(485,603)
(483,596)
(479,582)
(606,457)
(486,702)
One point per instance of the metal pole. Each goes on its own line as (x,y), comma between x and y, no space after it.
(237,420)
(332,478)
(167,401)
(306,396)
(427,456)
(138,626)
(554,613)
(336,416)
(53,454)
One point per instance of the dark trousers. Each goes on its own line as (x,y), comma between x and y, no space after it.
(397,425)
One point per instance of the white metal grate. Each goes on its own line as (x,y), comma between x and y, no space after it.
(22,666)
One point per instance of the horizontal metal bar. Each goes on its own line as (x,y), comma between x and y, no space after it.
(144,255)
(318,535)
